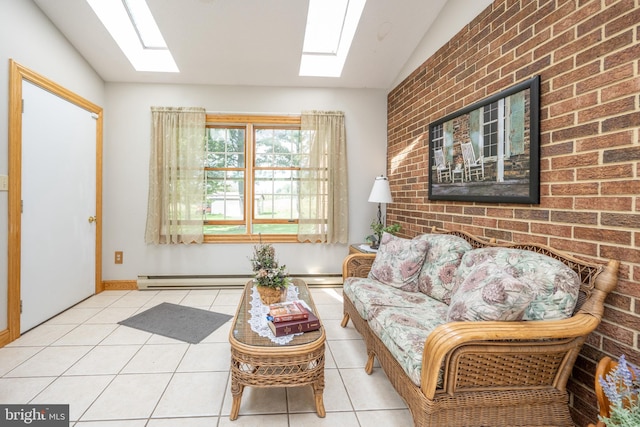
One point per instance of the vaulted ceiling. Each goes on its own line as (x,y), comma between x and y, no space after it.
(250,42)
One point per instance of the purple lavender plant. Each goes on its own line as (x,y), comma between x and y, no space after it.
(622,388)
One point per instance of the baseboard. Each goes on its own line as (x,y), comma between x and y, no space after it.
(4,338)
(207,282)
(120,285)
(226,282)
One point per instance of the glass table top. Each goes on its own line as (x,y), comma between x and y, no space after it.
(241,330)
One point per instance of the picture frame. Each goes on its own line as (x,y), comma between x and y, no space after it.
(490,150)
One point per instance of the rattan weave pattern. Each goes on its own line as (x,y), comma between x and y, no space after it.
(358,266)
(259,371)
(494,373)
(484,369)
(259,362)
(493,408)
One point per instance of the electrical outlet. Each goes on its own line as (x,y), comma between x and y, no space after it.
(118,259)
(4,183)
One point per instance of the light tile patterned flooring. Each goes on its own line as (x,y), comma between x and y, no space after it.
(116,376)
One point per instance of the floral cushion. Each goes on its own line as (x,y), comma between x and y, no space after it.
(361,291)
(489,293)
(512,284)
(404,331)
(398,262)
(443,257)
(368,295)
(402,320)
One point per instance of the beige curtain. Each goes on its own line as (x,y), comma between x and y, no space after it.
(324,210)
(176,176)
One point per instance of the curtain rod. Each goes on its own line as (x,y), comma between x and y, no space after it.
(248,113)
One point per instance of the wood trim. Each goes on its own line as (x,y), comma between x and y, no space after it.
(251,122)
(249,177)
(247,238)
(120,285)
(4,338)
(15,192)
(253,118)
(98,261)
(18,73)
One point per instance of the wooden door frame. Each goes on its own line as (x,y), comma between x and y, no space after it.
(18,74)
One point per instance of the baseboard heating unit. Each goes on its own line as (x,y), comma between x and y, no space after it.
(226,282)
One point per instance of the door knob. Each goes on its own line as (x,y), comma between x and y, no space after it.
(92,219)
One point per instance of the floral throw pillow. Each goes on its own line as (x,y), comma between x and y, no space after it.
(398,262)
(443,257)
(489,293)
(494,275)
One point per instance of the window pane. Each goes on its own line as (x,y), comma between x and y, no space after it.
(275,228)
(437,138)
(225,195)
(437,132)
(277,147)
(491,112)
(225,229)
(276,194)
(225,148)
(490,130)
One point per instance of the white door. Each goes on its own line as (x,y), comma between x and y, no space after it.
(57,266)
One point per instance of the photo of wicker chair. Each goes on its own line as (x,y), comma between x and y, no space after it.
(442,167)
(473,167)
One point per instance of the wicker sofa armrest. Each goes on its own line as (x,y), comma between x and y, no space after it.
(451,345)
(506,341)
(357,265)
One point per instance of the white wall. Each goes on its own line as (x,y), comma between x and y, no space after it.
(126,165)
(29,38)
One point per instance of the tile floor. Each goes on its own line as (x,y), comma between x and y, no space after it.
(116,376)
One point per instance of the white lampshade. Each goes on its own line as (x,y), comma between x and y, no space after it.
(381,193)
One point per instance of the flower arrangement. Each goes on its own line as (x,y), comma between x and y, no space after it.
(622,388)
(266,269)
(378,228)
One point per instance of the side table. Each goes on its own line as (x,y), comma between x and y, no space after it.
(357,248)
(455,173)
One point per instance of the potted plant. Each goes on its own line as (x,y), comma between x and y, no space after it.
(271,279)
(379,228)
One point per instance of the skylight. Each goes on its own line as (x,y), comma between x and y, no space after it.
(331,25)
(132,26)
(144,24)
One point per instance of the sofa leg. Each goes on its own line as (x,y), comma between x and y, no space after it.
(345,320)
(369,366)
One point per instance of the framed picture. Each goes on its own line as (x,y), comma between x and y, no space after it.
(489,151)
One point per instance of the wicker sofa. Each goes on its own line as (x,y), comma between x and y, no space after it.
(475,373)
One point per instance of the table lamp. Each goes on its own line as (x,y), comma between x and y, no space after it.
(380,193)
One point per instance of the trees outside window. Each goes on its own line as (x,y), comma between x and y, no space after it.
(252,172)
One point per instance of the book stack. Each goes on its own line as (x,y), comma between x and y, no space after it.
(291,317)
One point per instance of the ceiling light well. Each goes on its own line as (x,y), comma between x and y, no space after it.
(142,44)
(331,27)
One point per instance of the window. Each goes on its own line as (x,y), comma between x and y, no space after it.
(492,126)
(437,137)
(252,177)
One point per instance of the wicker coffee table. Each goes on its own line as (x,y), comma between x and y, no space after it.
(259,362)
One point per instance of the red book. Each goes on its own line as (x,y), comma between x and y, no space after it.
(295,326)
(287,311)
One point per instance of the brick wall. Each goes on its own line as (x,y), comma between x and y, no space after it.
(586,53)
